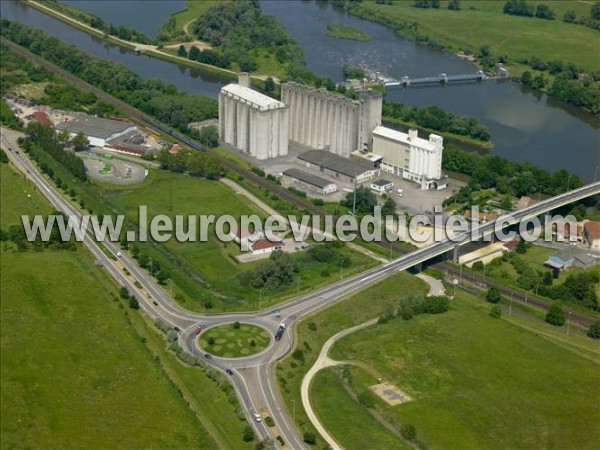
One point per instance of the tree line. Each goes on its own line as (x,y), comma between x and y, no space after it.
(436,118)
(154,97)
(43,138)
(544,11)
(507,177)
(200,164)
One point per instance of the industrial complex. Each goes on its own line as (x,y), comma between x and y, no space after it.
(341,137)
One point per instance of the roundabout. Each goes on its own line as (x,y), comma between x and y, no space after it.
(234,340)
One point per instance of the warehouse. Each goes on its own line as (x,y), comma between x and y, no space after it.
(336,166)
(300,178)
(99,131)
(408,156)
(252,122)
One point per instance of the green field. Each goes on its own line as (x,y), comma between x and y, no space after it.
(18,196)
(231,342)
(314,331)
(334,405)
(478,382)
(208,269)
(345,32)
(482,22)
(74,373)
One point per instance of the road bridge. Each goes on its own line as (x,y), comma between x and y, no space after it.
(438,79)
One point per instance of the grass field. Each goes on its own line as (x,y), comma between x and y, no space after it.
(231,342)
(482,22)
(204,268)
(314,331)
(334,405)
(18,196)
(74,373)
(478,382)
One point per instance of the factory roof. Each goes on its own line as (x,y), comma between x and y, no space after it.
(95,126)
(260,101)
(345,166)
(405,138)
(382,182)
(308,178)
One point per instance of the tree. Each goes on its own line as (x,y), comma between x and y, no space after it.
(569,16)
(181,51)
(133,303)
(124,292)
(495,312)
(209,136)
(80,142)
(310,438)
(493,295)
(518,8)
(63,137)
(422,4)
(478,266)
(547,278)
(269,84)
(162,277)
(543,11)
(435,4)
(409,432)
(594,330)
(365,200)
(194,53)
(248,435)
(595,12)
(555,316)
(389,207)
(521,247)
(526,78)
(454,5)
(236,325)
(211,340)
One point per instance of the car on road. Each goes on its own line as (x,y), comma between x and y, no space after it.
(119,254)
(280,331)
(229,371)
(197,331)
(257,417)
(208,356)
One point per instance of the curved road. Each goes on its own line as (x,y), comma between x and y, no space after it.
(252,377)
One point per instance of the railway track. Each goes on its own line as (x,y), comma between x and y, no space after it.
(145,120)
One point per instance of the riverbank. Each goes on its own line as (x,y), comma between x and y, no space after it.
(483,32)
(149,50)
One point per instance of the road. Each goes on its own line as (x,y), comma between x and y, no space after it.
(253,376)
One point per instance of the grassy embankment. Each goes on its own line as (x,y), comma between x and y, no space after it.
(345,32)
(231,342)
(314,331)
(479,23)
(61,391)
(479,382)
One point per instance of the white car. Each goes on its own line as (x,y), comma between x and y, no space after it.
(257,417)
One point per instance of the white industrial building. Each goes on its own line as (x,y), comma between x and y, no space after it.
(300,178)
(408,156)
(99,132)
(255,123)
(344,169)
(329,121)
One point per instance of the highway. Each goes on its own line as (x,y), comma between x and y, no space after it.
(253,377)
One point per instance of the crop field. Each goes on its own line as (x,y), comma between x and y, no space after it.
(482,22)
(479,382)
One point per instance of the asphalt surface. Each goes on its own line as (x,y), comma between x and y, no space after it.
(252,377)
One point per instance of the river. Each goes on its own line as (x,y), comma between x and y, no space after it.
(525,125)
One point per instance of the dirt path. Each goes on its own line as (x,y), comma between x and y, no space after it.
(323,361)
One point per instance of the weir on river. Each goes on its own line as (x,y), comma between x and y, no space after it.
(439,79)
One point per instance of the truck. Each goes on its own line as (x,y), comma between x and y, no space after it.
(280,331)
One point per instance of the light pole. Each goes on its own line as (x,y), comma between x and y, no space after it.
(298,291)
(454,283)
(341,270)
(460,275)
(568,322)
(596,173)
(260,300)
(294,409)
(510,305)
